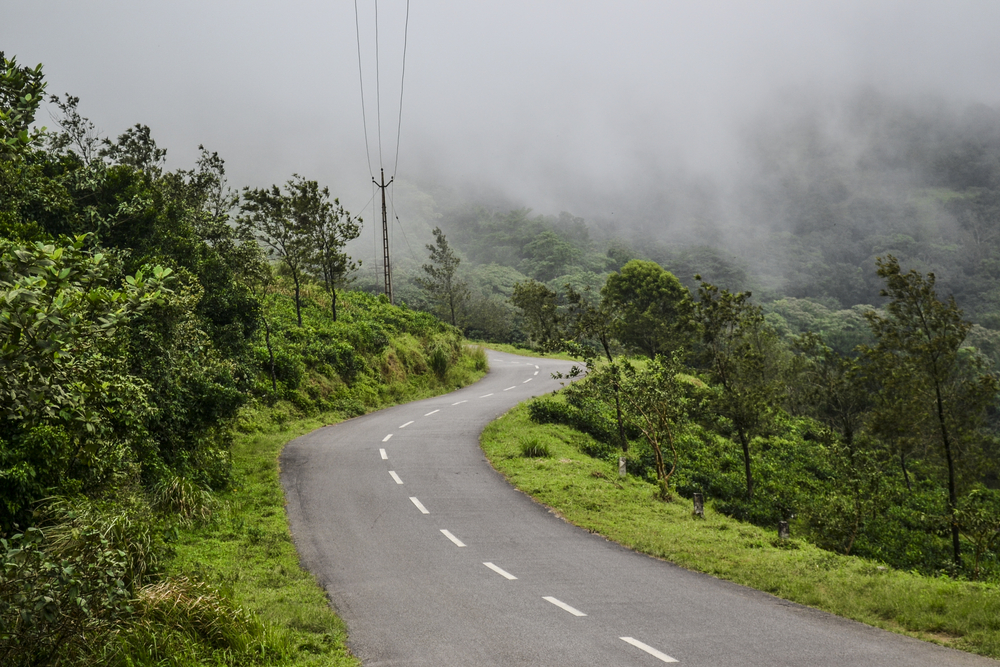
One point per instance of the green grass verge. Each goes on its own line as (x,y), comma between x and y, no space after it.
(589,493)
(528,352)
(247,548)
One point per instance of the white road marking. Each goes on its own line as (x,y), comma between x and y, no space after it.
(526,381)
(386,438)
(500,571)
(385,457)
(458,542)
(485,395)
(431,412)
(509,388)
(563,605)
(406,424)
(460,402)
(536,365)
(536,372)
(395,477)
(420,506)
(648,649)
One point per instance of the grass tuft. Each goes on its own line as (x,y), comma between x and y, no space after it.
(532,447)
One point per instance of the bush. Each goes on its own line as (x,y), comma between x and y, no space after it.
(54,608)
(479,360)
(439,361)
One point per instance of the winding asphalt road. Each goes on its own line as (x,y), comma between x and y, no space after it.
(433,559)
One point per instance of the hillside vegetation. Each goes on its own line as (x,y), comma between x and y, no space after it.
(161,337)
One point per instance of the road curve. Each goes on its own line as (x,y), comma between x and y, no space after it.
(431,558)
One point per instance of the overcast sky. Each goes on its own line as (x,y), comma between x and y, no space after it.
(543,100)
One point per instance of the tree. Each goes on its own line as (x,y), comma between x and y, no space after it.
(736,346)
(654,308)
(920,358)
(539,306)
(836,391)
(655,403)
(136,148)
(21,91)
(78,133)
(597,321)
(442,283)
(332,230)
(284,223)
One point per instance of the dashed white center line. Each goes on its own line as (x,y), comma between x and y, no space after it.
(536,372)
(485,395)
(431,412)
(420,506)
(395,477)
(536,365)
(385,457)
(528,380)
(406,424)
(509,388)
(500,571)
(386,438)
(648,649)
(460,402)
(563,605)
(458,542)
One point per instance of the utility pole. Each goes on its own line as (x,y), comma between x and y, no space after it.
(385,237)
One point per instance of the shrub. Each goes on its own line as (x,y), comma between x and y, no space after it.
(439,361)
(54,608)
(479,360)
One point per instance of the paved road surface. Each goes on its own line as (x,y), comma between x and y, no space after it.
(433,559)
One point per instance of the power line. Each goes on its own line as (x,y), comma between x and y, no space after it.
(378,92)
(361,80)
(402,78)
(402,231)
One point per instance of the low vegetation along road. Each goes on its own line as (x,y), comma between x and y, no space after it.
(433,559)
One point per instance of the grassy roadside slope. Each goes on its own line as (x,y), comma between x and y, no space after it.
(247,548)
(588,493)
(377,355)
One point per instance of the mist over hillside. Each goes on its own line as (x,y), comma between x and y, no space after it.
(818,187)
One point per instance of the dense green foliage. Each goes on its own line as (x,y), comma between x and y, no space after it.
(142,329)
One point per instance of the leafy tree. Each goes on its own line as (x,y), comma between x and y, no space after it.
(136,148)
(21,90)
(654,308)
(737,343)
(78,133)
(283,222)
(549,256)
(597,321)
(655,403)
(539,306)
(333,229)
(442,283)
(919,355)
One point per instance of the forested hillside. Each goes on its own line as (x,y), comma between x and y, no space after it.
(147,319)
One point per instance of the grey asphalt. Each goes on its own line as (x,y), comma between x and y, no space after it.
(411,596)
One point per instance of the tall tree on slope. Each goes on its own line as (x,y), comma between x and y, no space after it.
(442,282)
